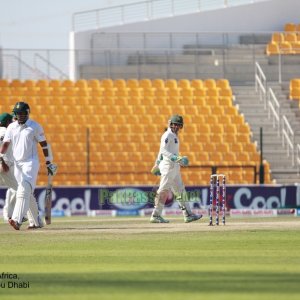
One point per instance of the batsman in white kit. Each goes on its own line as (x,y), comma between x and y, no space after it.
(8,180)
(167,166)
(24,135)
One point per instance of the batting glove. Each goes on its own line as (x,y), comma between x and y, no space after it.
(155,171)
(52,169)
(182,160)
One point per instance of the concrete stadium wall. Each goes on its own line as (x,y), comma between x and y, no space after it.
(258,17)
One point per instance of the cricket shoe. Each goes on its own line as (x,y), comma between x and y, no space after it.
(192,218)
(33,226)
(14,224)
(158,219)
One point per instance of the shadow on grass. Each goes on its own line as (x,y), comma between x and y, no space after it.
(101,228)
(164,282)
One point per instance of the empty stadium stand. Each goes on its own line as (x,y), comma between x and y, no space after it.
(286,42)
(108,131)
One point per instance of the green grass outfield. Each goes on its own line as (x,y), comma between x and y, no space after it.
(128,258)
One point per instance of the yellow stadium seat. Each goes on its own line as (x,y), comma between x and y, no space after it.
(295,47)
(55,83)
(210,83)
(67,83)
(277,37)
(69,92)
(18,92)
(295,83)
(217,128)
(107,83)
(149,92)
(171,83)
(160,92)
(184,84)
(225,92)
(285,48)
(42,83)
(290,37)
(93,83)
(238,119)
(81,84)
(200,92)
(250,147)
(96,92)
(217,110)
(289,27)
(243,137)
(158,83)
(29,83)
(224,119)
(212,100)
(272,48)
(216,137)
(210,119)
(190,110)
(30,91)
(223,84)
(4,83)
(145,83)
(295,93)
(138,110)
(254,157)
(133,83)
(206,110)
(230,128)
(5,92)
(242,157)
(228,157)
(197,84)
(202,157)
(203,128)
(16,83)
(120,84)
(173,96)
(199,101)
(244,128)
(235,177)
(212,92)
(230,110)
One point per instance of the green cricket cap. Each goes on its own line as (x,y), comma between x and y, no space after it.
(4,118)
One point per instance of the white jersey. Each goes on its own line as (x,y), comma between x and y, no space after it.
(169,145)
(24,139)
(8,157)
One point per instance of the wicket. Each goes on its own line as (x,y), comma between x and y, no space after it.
(215,195)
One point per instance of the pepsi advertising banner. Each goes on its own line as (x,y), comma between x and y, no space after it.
(82,200)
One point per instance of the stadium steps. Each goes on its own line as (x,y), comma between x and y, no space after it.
(238,68)
(273,151)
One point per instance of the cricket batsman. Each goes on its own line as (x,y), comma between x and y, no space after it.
(23,136)
(168,165)
(9,180)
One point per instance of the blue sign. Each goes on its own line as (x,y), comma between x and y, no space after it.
(81,200)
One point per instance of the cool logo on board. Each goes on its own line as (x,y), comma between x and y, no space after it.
(75,205)
(243,199)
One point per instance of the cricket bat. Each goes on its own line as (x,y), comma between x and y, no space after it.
(48,200)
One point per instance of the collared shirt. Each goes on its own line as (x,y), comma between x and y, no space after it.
(169,145)
(24,139)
